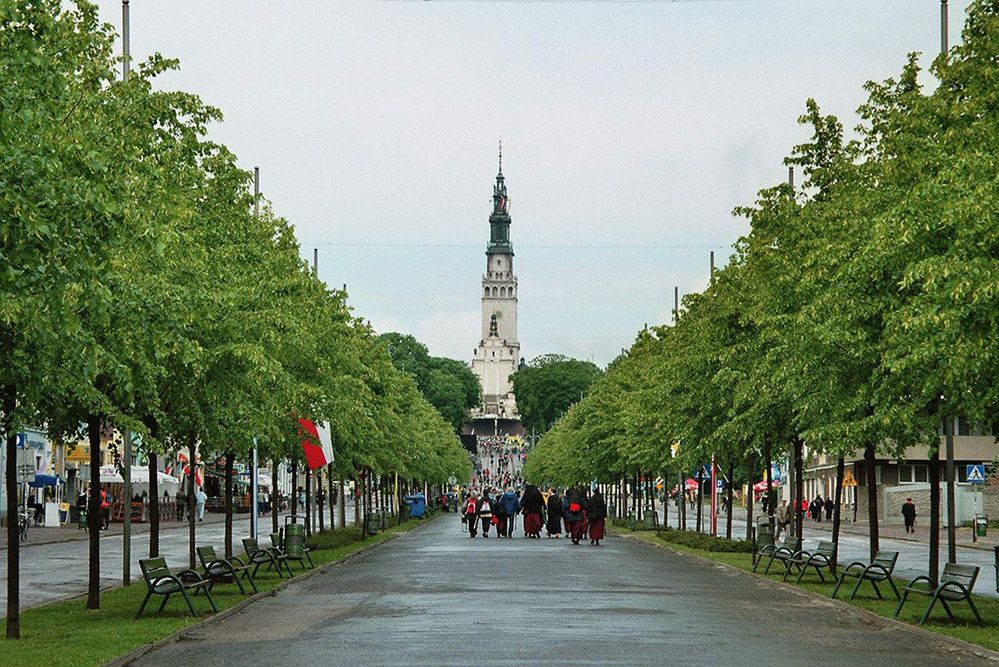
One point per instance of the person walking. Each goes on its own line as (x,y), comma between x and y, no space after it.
(484,510)
(596,515)
(532,504)
(554,525)
(829,506)
(511,505)
(499,515)
(909,515)
(575,515)
(181,500)
(781,517)
(470,515)
(200,498)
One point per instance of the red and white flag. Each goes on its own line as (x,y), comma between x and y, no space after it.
(316,443)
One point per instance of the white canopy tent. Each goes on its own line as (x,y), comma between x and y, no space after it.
(140,478)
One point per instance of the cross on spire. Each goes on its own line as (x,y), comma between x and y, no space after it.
(500,156)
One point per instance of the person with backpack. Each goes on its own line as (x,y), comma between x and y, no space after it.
(574,517)
(470,514)
(485,512)
(554,524)
(511,505)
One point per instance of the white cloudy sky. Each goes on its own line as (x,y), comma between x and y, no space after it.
(630,131)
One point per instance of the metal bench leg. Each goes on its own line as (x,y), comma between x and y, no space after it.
(238,582)
(933,601)
(309,556)
(249,578)
(856,588)
(974,609)
(901,602)
(877,591)
(842,578)
(946,607)
(891,583)
(166,598)
(208,595)
(145,600)
(190,605)
(822,577)
(801,573)
(771,562)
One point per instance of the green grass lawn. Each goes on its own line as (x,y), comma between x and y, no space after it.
(964,627)
(64,633)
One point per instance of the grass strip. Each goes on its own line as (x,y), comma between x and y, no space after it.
(963,627)
(65,633)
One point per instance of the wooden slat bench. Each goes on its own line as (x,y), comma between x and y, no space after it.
(880,569)
(820,559)
(161,581)
(219,570)
(956,584)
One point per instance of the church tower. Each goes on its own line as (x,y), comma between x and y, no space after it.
(498,353)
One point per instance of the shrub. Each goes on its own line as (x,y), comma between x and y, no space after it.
(332,539)
(705,542)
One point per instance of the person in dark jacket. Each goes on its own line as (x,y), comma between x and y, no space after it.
(909,515)
(574,517)
(500,516)
(532,503)
(596,515)
(471,514)
(511,505)
(553,527)
(829,506)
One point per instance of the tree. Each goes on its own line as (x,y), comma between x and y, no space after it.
(548,386)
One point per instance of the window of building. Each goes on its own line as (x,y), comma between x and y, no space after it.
(487,291)
(910,473)
(503,291)
(495,291)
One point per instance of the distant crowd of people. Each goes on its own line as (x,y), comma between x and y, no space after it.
(575,512)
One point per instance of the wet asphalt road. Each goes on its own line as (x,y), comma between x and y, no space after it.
(436,597)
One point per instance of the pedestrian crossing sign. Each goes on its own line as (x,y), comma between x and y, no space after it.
(976,474)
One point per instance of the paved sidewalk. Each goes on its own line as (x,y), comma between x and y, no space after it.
(436,597)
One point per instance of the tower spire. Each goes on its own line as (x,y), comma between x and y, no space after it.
(501,157)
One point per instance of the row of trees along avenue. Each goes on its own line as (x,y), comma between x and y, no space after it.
(859,313)
(138,289)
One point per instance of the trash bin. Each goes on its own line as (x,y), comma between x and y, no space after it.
(981,526)
(631,523)
(764,532)
(294,540)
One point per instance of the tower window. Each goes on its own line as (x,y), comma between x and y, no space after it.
(487,291)
(502,291)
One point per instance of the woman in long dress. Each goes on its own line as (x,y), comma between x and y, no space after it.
(554,525)
(575,517)
(596,515)
(531,505)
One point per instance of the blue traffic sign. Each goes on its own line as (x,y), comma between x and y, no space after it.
(22,440)
(976,474)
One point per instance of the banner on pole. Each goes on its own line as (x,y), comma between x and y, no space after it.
(316,443)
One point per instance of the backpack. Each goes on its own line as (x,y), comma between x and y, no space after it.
(470,507)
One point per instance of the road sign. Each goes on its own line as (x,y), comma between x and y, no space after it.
(976,474)
(22,440)
(452,480)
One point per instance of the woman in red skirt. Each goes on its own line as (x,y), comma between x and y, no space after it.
(531,504)
(597,515)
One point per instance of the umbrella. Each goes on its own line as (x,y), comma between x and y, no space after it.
(42,479)
(110,475)
(691,485)
(762,486)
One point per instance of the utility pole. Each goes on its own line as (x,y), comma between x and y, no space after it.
(126,534)
(254,474)
(949,418)
(711,278)
(676,304)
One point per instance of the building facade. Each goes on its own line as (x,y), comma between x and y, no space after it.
(497,355)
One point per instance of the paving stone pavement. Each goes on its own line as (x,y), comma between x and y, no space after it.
(436,597)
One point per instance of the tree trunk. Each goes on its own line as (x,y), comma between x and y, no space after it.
(330,491)
(228,504)
(799,490)
(294,487)
(358,498)
(13,529)
(728,494)
(934,477)
(342,511)
(624,498)
(751,472)
(274,495)
(840,465)
(308,500)
(769,472)
(870,462)
(700,497)
(154,505)
(191,490)
(951,499)
(319,499)
(682,492)
(94,513)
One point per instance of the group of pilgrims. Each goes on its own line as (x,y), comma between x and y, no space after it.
(582,514)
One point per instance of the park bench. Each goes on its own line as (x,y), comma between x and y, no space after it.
(821,559)
(880,569)
(781,552)
(220,571)
(292,548)
(161,581)
(955,585)
(272,558)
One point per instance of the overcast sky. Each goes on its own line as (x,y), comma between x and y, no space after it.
(630,131)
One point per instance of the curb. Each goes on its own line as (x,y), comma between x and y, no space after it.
(136,653)
(966,647)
